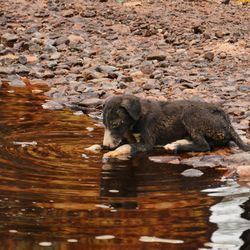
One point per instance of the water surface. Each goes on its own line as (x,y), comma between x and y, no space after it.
(56,195)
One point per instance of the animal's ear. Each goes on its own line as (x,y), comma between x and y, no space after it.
(132,105)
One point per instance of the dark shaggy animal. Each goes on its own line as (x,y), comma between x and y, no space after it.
(202,124)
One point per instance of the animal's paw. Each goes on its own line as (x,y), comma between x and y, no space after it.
(174,145)
(122,152)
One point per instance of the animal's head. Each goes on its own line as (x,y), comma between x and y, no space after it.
(120,114)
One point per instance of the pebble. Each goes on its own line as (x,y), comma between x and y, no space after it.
(192,173)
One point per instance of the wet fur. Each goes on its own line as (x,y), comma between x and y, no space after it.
(159,123)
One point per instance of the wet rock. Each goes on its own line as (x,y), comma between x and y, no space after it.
(9,39)
(191,161)
(192,173)
(17,82)
(52,105)
(243,171)
(239,159)
(165,159)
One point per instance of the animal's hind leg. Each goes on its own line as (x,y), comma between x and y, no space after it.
(199,143)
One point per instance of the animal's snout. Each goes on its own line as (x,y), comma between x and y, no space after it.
(108,140)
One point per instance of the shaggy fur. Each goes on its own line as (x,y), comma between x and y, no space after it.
(204,125)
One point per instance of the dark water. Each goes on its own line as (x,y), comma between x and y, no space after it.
(53,192)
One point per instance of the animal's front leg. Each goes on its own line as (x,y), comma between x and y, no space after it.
(121,152)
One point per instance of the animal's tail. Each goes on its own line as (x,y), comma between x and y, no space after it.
(237,140)
(234,136)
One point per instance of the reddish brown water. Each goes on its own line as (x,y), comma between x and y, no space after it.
(51,194)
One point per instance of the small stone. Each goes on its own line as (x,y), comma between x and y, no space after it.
(239,158)
(243,171)
(21,69)
(6,70)
(91,102)
(164,159)
(209,56)
(222,55)
(88,13)
(22,59)
(159,56)
(192,173)
(106,69)
(52,105)
(68,13)
(9,39)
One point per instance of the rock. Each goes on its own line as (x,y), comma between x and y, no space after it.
(159,56)
(244,88)
(239,159)
(21,69)
(52,105)
(68,13)
(9,39)
(88,13)
(50,48)
(106,69)
(243,171)
(34,48)
(165,159)
(91,102)
(191,161)
(61,40)
(7,70)
(22,59)
(198,29)
(192,173)
(209,56)
(151,84)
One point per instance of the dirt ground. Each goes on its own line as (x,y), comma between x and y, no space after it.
(88,50)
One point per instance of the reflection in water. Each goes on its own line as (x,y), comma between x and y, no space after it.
(231,215)
(51,195)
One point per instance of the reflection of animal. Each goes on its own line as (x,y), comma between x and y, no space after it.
(203,125)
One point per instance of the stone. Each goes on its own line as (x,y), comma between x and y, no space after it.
(9,39)
(242,158)
(159,56)
(91,102)
(52,105)
(68,13)
(6,70)
(22,59)
(106,69)
(209,56)
(165,159)
(192,173)
(21,69)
